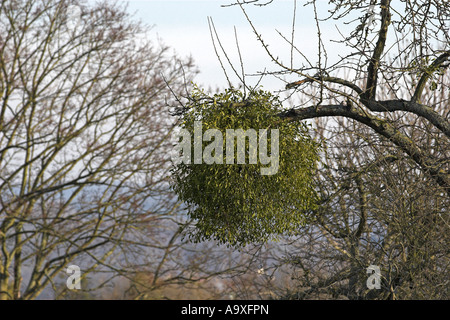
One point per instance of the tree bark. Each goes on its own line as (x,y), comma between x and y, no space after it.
(381,127)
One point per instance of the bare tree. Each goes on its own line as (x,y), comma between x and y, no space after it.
(164,266)
(383,110)
(395,50)
(83,138)
(378,208)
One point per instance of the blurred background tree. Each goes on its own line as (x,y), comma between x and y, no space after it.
(84,127)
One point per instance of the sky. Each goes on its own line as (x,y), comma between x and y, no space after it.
(183,25)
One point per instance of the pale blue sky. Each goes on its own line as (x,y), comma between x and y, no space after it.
(183,25)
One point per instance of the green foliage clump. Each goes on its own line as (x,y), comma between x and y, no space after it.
(234,203)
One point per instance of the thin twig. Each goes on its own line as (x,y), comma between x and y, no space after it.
(240,59)
(211,26)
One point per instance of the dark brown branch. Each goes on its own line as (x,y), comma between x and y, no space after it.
(438,63)
(374,64)
(362,207)
(381,127)
(343,82)
(388,105)
(410,106)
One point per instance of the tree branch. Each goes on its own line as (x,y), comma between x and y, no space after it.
(410,106)
(378,125)
(428,73)
(374,64)
(388,105)
(336,80)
